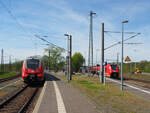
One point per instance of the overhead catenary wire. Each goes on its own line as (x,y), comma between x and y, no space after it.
(107,33)
(10,13)
(49,43)
(110,36)
(24,30)
(16,20)
(109,40)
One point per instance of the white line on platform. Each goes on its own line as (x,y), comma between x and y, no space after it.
(60,103)
(8,85)
(36,109)
(148,92)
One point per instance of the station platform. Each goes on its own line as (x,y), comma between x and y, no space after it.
(58,97)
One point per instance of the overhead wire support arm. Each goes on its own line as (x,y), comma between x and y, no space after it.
(120,32)
(133,43)
(120,41)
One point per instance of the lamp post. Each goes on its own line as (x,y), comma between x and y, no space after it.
(68,41)
(69,67)
(67,59)
(125,21)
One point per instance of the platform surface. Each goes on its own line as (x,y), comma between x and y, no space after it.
(58,97)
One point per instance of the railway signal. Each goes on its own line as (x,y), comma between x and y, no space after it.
(127,59)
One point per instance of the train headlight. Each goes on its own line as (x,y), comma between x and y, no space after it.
(26,70)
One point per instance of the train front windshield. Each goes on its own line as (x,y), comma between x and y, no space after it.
(114,67)
(33,63)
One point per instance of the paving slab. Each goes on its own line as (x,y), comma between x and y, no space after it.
(73,100)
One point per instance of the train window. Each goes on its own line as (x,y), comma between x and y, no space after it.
(32,63)
(114,67)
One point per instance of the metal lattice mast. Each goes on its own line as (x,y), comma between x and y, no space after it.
(90,56)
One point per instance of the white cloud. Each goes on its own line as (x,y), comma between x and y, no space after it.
(62,18)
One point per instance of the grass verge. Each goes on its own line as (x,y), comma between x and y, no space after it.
(5,75)
(109,98)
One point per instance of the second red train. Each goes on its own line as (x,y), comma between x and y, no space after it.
(111,70)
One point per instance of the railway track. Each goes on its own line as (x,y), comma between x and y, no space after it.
(139,80)
(19,102)
(134,79)
(145,83)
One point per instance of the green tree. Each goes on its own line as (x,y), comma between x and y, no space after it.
(77,61)
(57,61)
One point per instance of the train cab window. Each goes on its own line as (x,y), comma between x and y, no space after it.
(33,63)
(114,67)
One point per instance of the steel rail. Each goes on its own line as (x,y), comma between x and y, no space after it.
(25,106)
(5,102)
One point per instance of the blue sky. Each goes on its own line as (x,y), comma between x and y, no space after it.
(56,17)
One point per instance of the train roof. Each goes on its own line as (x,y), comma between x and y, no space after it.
(34,57)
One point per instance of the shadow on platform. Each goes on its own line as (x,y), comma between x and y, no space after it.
(49,77)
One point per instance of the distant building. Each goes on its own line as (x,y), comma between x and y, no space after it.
(83,69)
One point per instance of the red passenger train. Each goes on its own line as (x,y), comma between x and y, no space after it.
(111,70)
(32,70)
